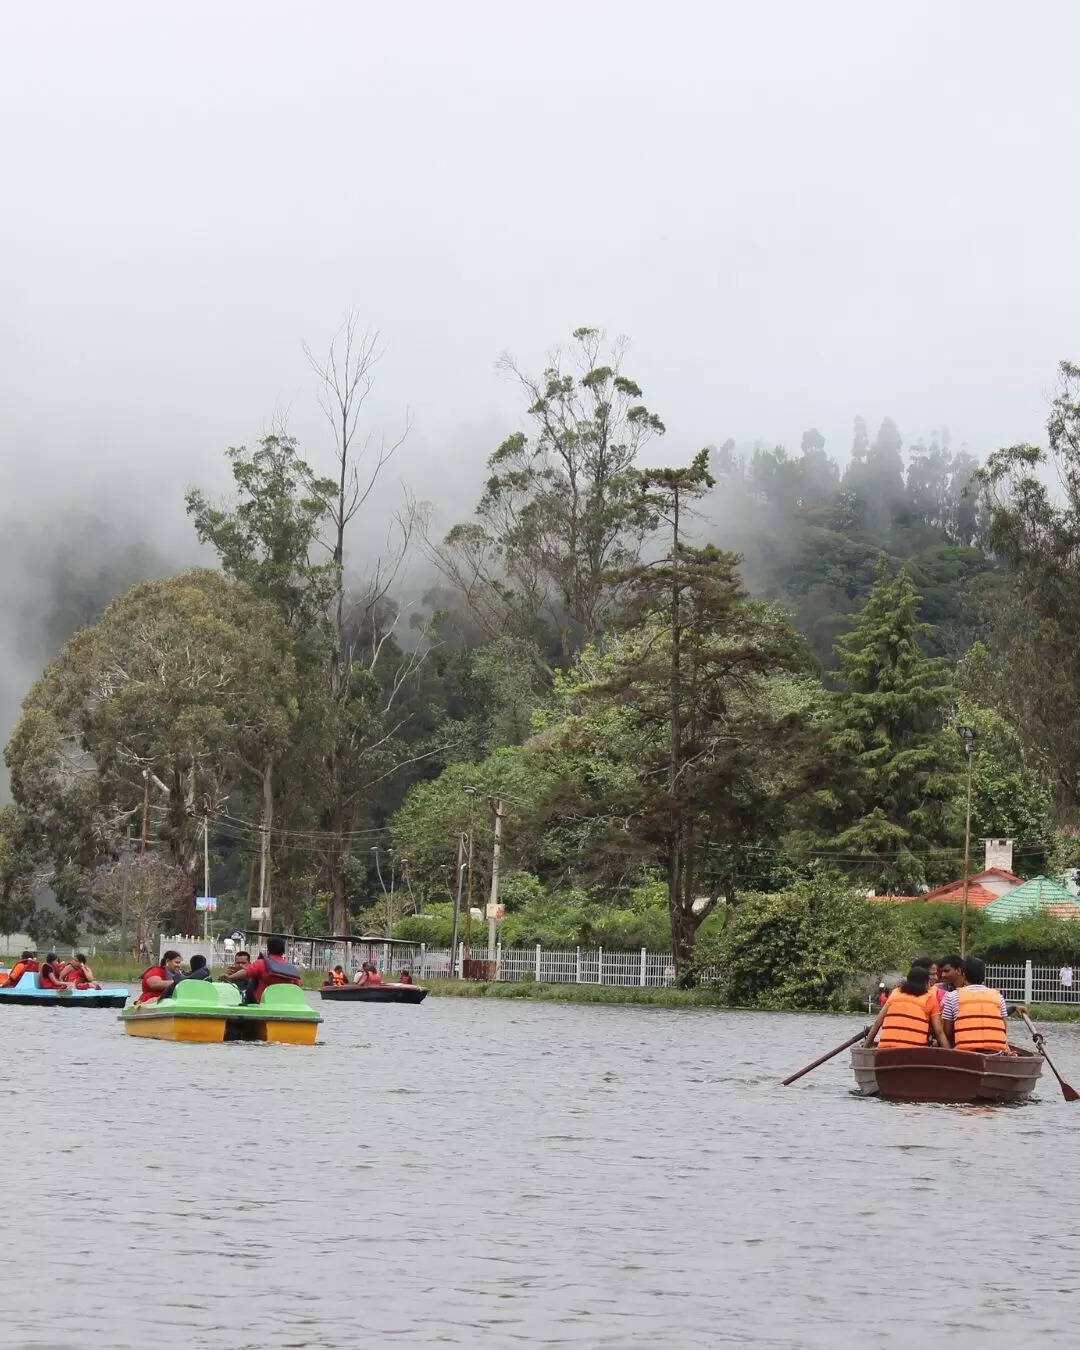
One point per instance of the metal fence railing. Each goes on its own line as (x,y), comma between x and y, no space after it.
(1020,982)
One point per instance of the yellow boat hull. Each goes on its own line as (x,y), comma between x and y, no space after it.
(288,1033)
(202,1030)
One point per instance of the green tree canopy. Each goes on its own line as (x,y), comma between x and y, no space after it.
(889,771)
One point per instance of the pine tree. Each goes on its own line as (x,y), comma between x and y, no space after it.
(891,770)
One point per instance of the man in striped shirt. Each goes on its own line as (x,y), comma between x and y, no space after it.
(971,975)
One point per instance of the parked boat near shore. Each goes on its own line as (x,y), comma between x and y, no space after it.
(28,993)
(373,993)
(930,1074)
(201,1011)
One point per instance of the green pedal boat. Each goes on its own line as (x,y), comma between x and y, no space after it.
(199,1010)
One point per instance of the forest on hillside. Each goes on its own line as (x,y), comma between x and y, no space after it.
(682,688)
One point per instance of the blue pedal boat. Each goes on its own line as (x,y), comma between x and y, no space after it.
(29,993)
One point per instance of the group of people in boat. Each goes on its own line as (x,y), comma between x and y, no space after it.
(367,974)
(53,973)
(253,977)
(945,1003)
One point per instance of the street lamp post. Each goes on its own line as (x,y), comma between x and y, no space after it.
(968,736)
(471,791)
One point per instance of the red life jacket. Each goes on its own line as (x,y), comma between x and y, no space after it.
(370,977)
(147,993)
(277,972)
(49,977)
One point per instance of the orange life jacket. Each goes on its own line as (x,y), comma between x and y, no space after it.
(337,977)
(907,1023)
(979,1027)
(18,970)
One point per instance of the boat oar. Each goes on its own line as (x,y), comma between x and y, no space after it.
(1069,1093)
(860,1037)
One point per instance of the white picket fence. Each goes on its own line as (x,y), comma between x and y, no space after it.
(1022,982)
(1028,983)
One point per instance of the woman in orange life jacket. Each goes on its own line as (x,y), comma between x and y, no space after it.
(338,976)
(27,962)
(910,1016)
(937,987)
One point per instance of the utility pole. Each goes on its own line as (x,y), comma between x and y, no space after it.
(498,812)
(457,902)
(390,907)
(968,735)
(468,905)
(206,870)
(145,807)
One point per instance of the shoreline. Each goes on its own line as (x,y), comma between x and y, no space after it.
(126,971)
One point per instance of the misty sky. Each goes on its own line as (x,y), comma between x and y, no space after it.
(797,213)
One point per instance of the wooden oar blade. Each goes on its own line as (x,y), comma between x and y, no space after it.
(1067,1091)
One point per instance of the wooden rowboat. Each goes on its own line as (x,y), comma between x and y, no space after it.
(930,1074)
(373,993)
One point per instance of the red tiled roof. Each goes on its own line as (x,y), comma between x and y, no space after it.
(1063,911)
(978,897)
(941,892)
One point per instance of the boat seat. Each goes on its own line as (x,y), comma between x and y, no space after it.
(193,994)
(284,998)
(28,982)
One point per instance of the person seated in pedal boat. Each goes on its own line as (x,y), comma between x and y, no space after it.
(368,974)
(405,977)
(27,962)
(78,973)
(270,968)
(975,1017)
(337,976)
(910,1017)
(49,975)
(234,974)
(197,969)
(159,981)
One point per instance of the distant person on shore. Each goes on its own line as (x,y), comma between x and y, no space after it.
(975,1017)
(910,1017)
(78,973)
(338,976)
(27,962)
(1065,978)
(270,968)
(368,974)
(159,981)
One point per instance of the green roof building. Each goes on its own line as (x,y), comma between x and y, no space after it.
(1040,893)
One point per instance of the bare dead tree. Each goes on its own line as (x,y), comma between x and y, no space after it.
(346,376)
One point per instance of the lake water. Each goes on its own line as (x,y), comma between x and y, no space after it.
(496,1173)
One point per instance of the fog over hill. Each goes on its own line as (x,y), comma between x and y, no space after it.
(797,216)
